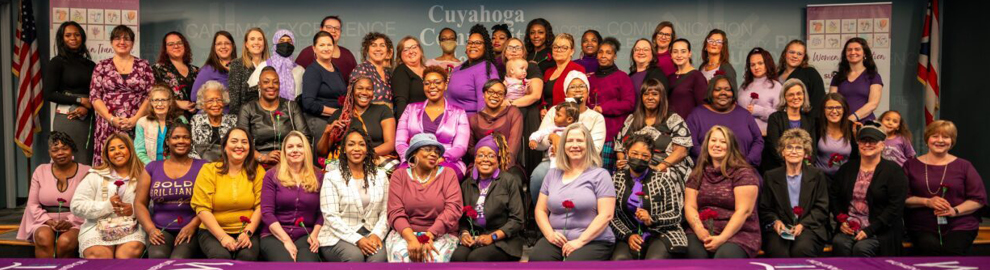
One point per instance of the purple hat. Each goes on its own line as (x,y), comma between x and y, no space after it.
(487,141)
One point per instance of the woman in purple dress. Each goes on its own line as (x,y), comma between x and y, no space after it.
(955,197)
(858,80)
(166,186)
(436,116)
(119,89)
(723,190)
(47,221)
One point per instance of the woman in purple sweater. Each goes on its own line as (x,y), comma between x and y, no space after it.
(438,116)
(956,204)
(467,80)
(612,95)
(687,84)
(858,80)
(290,193)
(721,109)
(167,186)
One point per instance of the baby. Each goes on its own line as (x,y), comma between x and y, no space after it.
(566,114)
(515,79)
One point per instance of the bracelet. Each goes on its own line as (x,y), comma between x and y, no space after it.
(957,210)
(857,117)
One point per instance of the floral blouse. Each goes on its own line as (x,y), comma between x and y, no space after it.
(181,86)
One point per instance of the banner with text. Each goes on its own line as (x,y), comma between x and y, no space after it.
(97,18)
(830,26)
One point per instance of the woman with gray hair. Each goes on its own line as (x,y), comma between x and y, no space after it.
(793,111)
(576,203)
(208,127)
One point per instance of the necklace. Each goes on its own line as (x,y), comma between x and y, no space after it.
(421,180)
(940,181)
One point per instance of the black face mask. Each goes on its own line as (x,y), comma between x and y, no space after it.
(638,165)
(284,49)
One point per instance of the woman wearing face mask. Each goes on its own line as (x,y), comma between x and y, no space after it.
(577,90)
(715,56)
(162,201)
(662,40)
(217,66)
(870,193)
(553,87)
(343,59)
(792,112)
(290,75)
(436,116)
(290,194)
(589,50)
(323,86)
(500,35)
(539,36)
(48,223)
(720,109)
(377,56)
(958,203)
(407,79)
(119,90)
(105,199)
(644,66)
(687,85)
(858,80)
(66,83)
(722,181)
(794,65)
(612,95)
(151,129)
(208,127)
(466,82)
(255,52)
(448,45)
(270,119)
(788,189)
(374,120)
(649,207)
(174,69)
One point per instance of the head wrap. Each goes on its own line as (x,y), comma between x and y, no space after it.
(283,66)
(487,141)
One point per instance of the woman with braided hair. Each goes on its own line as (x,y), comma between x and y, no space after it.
(468,80)
(376,120)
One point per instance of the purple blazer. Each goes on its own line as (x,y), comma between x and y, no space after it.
(454,132)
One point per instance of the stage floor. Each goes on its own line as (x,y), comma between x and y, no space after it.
(919,263)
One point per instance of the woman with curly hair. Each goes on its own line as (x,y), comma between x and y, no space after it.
(467,81)
(376,54)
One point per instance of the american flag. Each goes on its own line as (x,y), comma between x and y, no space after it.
(26,66)
(928,61)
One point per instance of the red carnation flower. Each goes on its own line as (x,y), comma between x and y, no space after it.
(178,220)
(299,222)
(754,95)
(842,218)
(568,204)
(60,200)
(245,219)
(423,238)
(854,225)
(118,183)
(470,212)
(707,214)
(798,211)
(641,194)
(489,132)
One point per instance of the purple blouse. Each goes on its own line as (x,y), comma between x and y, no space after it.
(286,204)
(964,184)
(589,62)
(715,191)
(738,120)
(207,73)
(898,149)
(828,147)
(430,126)
(465,87)
(453,132)
(170,197)
(857,92)
(584,192)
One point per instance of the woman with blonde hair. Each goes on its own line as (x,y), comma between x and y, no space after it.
(290,194)
(110,230)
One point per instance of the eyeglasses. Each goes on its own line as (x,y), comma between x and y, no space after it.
(513,48)
(577,87)
(223,43)
(410,48)
(173,44)
(646,50)
(561,48)
(430,149)
(794,148)
(664,35)
(495,94)
(833,108)
(488,156)
(331,28)
(476,43)
(434,82)
(159,101)
(122,39)
(715,41)
(214,101)
(868,142)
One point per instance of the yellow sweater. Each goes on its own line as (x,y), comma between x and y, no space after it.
(228,197)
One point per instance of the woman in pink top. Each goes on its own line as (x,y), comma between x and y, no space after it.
(47,221)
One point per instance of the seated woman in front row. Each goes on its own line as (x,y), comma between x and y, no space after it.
(723,183)
(576,203)
(794,201)
(650,206)
(47,221)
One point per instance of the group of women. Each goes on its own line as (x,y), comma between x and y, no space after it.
(322,158)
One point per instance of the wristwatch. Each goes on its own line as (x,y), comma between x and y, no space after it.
(249,233)
(494,236)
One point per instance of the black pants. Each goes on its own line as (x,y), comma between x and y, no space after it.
(169,250)
(489,253)
(652,249)
(806,245)
(347,252)
(274,250)
(214,250)
(954,243)
(696,250)
(593,251)
(844,245)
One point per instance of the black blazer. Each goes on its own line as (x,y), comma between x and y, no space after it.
(776,125)
(816,87)
(885,199)
(775,203)
(652,72)
(503,210)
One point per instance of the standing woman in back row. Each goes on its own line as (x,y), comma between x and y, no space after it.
(66,83)
(255,52)
(539,36)
(858,80)
(715,56)
(174,69)
(376,52)
(687,85)
(119,89)
(794,65)
(217,65)
(663,38)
